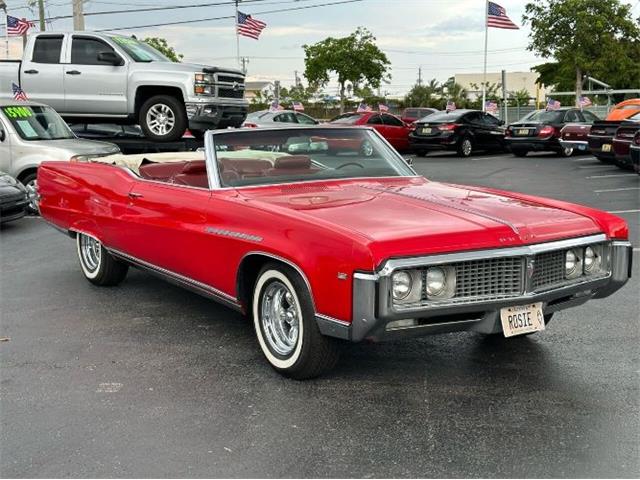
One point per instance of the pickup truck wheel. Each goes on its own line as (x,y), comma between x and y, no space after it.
(30,183)
(163,118)
(285,325)
(97,264)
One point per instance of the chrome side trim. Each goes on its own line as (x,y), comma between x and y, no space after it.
(182,280)
(365,276)
(526,250)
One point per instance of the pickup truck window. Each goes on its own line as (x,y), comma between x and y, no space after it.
(47,49)
(84,51)
(37,123)
(139,51)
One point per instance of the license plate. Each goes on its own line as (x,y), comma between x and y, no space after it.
(522,319)
(426,130)
(606,147)
(522,131)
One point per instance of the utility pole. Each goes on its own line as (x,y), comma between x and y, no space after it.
(504,96)
(245,62)
(78,14)
(41,14)
(295,74)
(420,75)
(276,91)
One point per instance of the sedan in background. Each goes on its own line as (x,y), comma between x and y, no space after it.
(463,131)
(13,199)
(622,141)
(540,130)
(394,130)
(634,152)
(288,118)
(411,115)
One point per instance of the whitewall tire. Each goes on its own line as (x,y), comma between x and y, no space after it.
(97,264)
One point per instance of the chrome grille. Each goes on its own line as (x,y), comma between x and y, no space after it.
(486,279)
(548,269)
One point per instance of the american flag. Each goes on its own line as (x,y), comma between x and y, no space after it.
(297,106)
(382,107)
(18,93)
(497,17)
(275,107)
(451,106)
(17,26)
(491,107)
(363,108)
(249,27)
(553,104)
(584,102)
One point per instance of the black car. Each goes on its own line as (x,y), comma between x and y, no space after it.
(539,131)
(13,199)
(463,131)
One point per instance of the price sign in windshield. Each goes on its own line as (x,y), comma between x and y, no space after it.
(17,112)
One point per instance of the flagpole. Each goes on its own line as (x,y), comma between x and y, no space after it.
(484,72)
(237,36)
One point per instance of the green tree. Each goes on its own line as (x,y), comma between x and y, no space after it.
(423,95)
(586,36)
(355,59)
(164,48)
(454,92)
(519,98)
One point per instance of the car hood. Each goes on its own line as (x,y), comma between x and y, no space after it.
(75,146)
(186,68)
(413,216)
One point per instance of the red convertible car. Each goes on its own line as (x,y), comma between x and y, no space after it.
(319,247)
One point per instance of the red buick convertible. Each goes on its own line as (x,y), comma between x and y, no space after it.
(321,246)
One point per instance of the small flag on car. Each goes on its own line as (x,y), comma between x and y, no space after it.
(553,104)
(18,93)
(585,102)
(382,107)
(491,107)
(497,17)
(363,108)
(298,106)
(17,26)
(249,27)
(275,107)
(451,106)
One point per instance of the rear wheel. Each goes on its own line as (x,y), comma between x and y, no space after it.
(565,152)
(97,264)
(519,152)
(285,325)
(163,118)
(465,147)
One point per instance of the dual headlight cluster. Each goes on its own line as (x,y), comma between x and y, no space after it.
(583,261)
(204,84)
(438,282)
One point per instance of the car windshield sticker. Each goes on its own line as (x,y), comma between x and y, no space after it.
(27,129)
(18,112)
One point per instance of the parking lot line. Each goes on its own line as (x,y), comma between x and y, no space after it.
(588,159)
(614,175)
(596,166)
(616,189)
(625,211)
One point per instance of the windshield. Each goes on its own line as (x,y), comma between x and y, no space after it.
(37,123)
(289,155)
(347,118)
(544,116)
(139,51)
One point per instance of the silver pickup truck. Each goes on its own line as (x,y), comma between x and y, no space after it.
(106,78)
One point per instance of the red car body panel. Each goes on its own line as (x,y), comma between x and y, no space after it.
(322,227)
(397,136)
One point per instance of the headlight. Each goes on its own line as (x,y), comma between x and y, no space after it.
(440,282)
(401,285)
(204,78)
(592,259)
(572,265)
(8,179)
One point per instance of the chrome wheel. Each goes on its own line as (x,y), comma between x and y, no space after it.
(567,151)
(280,318)
(90,252)
(466,147)
(160,119)
(32,192)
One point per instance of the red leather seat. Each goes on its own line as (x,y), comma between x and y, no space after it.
(194,174)
(162,172)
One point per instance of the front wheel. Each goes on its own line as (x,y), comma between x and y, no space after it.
(163,118)
(465,147)
(97,264)
(285,325)
(31,185)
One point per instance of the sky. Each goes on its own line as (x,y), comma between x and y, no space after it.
(444,37)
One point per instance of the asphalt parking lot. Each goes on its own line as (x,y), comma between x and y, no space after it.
(149,380)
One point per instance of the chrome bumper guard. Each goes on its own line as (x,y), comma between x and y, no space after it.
(375,316)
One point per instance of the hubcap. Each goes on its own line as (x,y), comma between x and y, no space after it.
(568,151)
(32,193)
(466,147)
(90,252)
(160,119)
(280,317)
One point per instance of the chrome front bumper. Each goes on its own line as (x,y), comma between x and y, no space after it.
(375,318)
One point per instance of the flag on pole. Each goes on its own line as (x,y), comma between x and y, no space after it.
(249,27)
(585,102)
(17,26)
(363,108)
(18,93)
(451,106)
(497,17)
(297,106)
(553,104)
(275,107)
(383,108)
(491,107)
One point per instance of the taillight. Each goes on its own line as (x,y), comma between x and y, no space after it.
(448,127)
(547,131)
(625,133)
(249,125)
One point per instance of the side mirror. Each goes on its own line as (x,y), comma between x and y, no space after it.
(110,57)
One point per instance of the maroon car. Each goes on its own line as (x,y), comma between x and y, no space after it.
(574,136)
(623,139)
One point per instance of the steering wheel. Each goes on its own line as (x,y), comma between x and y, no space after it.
(349,163)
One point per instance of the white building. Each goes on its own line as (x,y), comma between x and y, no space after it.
(516,81)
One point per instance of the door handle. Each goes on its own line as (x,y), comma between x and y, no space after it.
(135,195)
(73,72)
(31,72)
